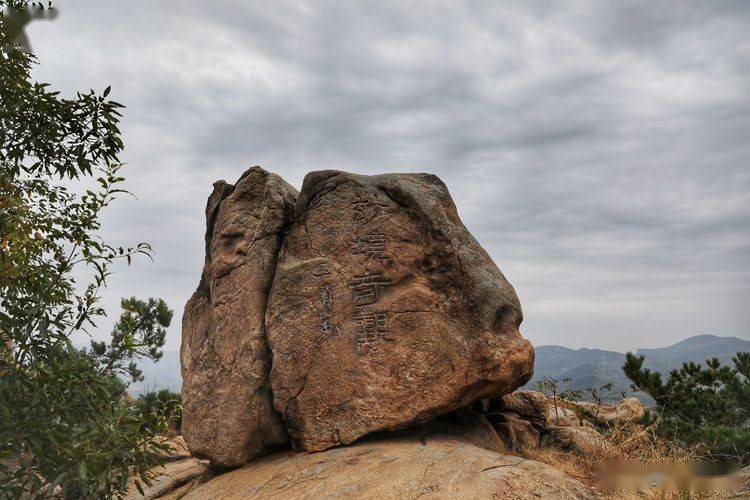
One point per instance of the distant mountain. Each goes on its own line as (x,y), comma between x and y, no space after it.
(596,367)
(585,367)
(697,348)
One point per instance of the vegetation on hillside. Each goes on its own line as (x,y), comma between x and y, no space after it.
(64,424)
(699,405)
(596,367)
(702,414)
(563,398)
(628,443)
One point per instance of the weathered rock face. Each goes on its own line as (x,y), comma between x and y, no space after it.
(519,434)
(533,405)
(562,416)
(581,439)
(169,477)
(385,311)
(407,464)
(228,413)
(626,410)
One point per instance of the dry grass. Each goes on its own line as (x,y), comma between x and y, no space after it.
(636,442)
(570,463)
(625,443)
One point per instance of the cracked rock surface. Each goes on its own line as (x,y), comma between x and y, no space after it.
(407,464)
(228,415)
(385,311)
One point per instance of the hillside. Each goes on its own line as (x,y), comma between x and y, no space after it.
(596,367)
(695,349)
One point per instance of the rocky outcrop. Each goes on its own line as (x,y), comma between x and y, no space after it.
(385,311)
(516,432)
(562,416)
(228,416)
(527,419)
(625,411)
(405,464)
(581,439)
(542,411)
(532,405)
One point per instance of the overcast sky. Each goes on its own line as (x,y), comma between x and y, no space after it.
(600,151)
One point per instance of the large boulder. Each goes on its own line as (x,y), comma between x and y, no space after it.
(406,464)
(228,415)
(385,311)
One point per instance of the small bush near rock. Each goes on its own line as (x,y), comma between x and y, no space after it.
(163,405)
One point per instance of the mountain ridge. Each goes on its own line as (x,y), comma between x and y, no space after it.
(587,367)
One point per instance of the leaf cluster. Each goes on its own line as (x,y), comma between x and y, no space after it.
(700,405)
(69,431)
(48,146)
(139,333)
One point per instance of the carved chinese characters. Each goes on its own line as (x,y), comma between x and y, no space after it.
(372,246)
(366,207)
(371,325)
(384,311)
(327,330)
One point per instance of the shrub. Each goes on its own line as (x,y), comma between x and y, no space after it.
(697,405)
(163,405)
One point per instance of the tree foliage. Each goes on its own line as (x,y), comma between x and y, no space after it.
(139,332)
(700,405)
(63,421)
(68,426)
(46,144)
(67,422)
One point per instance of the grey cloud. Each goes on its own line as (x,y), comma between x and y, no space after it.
(598,150)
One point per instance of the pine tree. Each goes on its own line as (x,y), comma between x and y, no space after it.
(700,405)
